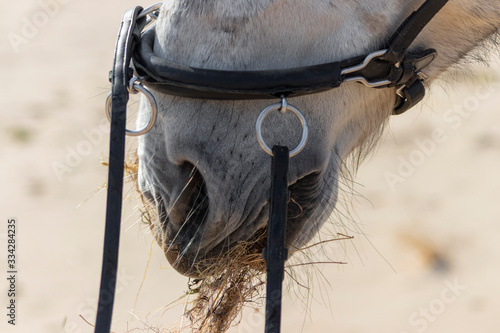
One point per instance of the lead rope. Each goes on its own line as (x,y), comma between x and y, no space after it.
(276,253)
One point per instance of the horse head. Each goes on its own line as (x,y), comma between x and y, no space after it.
(201,166)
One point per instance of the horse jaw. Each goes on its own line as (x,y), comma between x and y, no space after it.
(201,164)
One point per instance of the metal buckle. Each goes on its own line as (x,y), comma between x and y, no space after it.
(399,91)
(364,64)
(421,76)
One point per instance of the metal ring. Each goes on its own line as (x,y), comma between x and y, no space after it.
(278,106)
(131,85)
(154,110)
(150,10)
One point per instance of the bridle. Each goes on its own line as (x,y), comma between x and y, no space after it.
(392,66)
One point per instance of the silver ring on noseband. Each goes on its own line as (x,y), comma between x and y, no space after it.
(150,11)
(283,105)
(134,88)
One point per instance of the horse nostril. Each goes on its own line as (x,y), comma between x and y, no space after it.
(304,194)
(309,182)
(191,204)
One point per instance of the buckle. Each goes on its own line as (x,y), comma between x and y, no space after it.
(367,62)
(410,96)
(420,76)
(411,86)
(406,75)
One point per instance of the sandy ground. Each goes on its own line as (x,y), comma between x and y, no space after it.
(427,202)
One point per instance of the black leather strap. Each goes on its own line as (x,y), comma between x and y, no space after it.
(397,66)
(176,79)
(412,88)
(276,253)
(407,32)
(120,76)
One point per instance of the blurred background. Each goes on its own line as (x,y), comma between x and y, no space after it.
(425,214)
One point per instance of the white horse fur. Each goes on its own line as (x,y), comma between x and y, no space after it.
(217,138)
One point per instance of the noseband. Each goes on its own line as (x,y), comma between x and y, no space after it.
(391,66)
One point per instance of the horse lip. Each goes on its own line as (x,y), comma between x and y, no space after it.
(182,265)
(303,194)
(187,266)
(196,268)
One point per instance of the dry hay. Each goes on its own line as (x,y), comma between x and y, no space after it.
(229,285)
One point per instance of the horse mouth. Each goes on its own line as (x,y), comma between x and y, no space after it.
(181,244)
(222,257)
